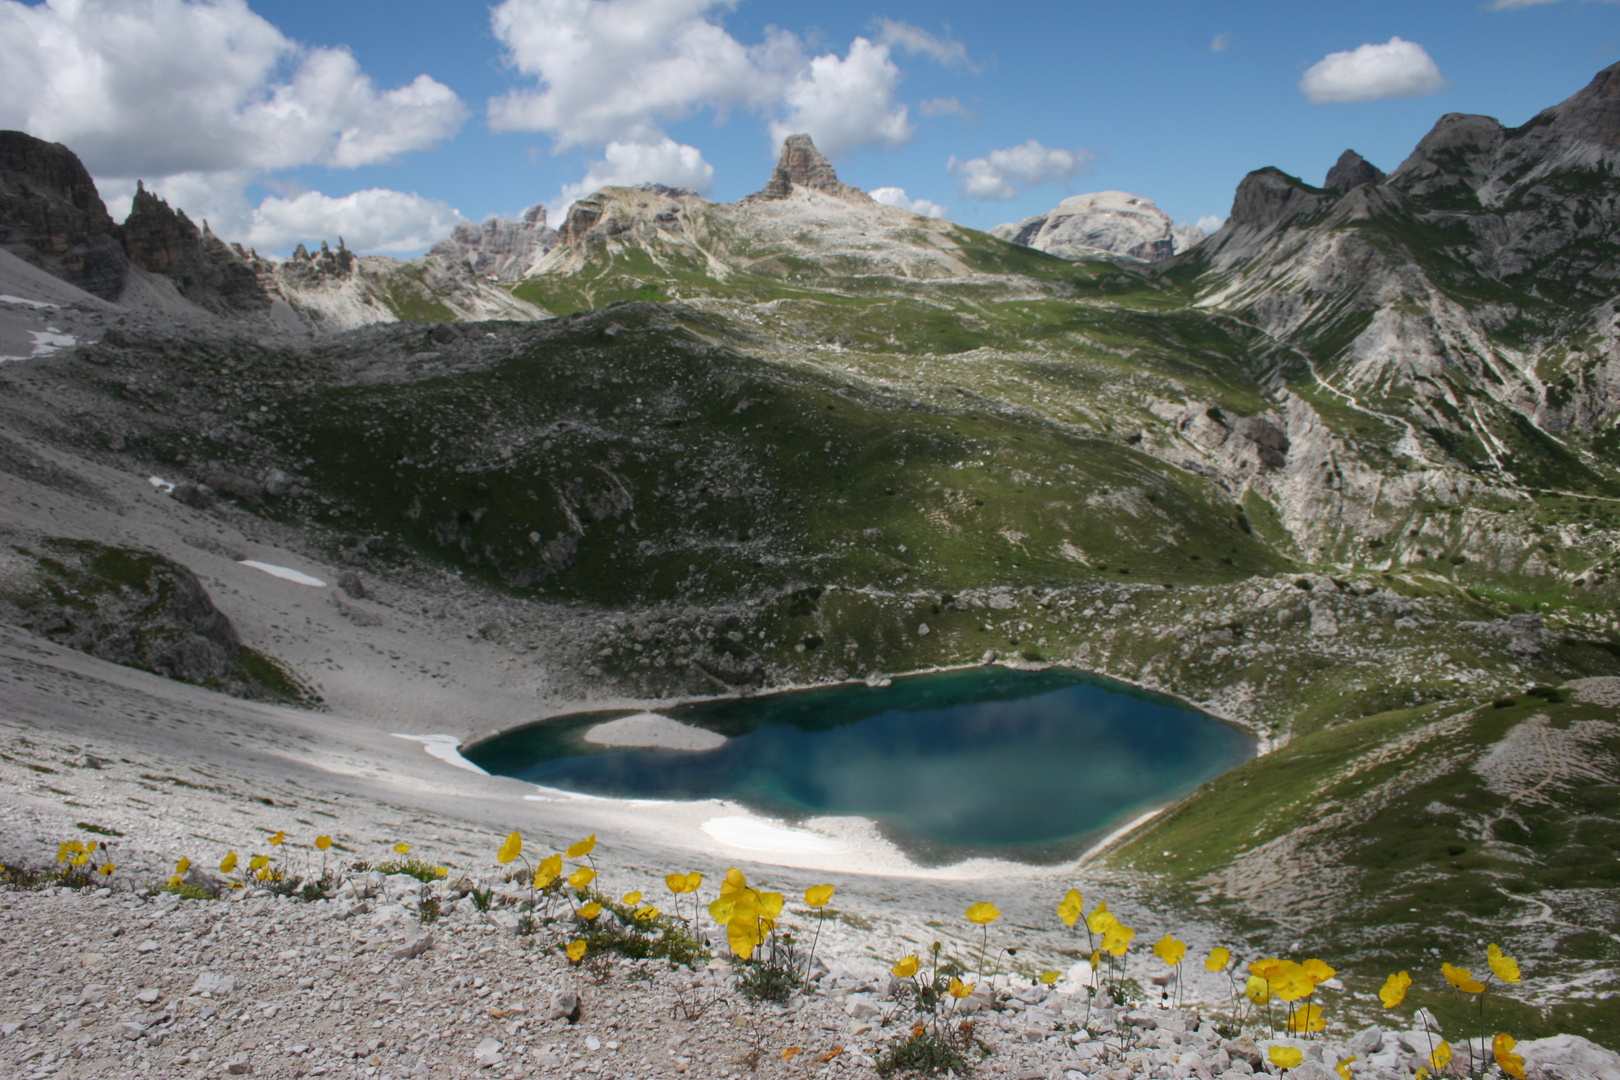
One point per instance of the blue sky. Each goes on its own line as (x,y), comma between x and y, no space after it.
(287,120)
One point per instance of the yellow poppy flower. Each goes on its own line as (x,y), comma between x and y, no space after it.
(79,860)
(549,870)
(677,883)
(734,882)
(511,849)
(228,863)
(1286,1057)
(1100,919)
(1095,959)
(582,877)
(402,848)
(107,870)
(983,913)
(175,881)
(1290,982)
(1441,1057)
(816,896)
(576,950)
(631,899)
(1170,950)
(583,848)
(1070,908)
(1050,977)
(1462,979)
(1394,989)
(1306,1018)
(1266,968)
(590,911)
(906,968)
(1118,939)
(720,910)
(1502,1049)
(1343,1067)
(1257,990)
(277,839)
(960,989)
(1219,957)
(770,904)
(77,847)
(323,842)
(1317,971)
(743,937)
(646,913)
(183,865)
(258,862)
(1422,1073)
(1504,967)
(90,846)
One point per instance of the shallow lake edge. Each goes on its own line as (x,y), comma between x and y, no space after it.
(1259,739)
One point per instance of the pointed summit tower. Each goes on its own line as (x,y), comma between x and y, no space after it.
(803,166)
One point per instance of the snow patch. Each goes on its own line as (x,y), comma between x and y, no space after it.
(295,576)
(447,748)
(752,834)
(7,298)
(165,486)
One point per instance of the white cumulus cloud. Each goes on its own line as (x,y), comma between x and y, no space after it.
(202,98)
(373,220)
(158,87)
(619,70)
(1395,69)
(846,102)
(1211,223)
(1003,174)
(894,196)
(663,161)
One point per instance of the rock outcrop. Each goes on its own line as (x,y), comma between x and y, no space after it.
(500,249)
(1352,170)
(206,270)
(803,166)
(52,216)
(138,609)
(1103,224)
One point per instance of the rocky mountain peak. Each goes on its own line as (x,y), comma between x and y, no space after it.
(52,216)
(802,165)
(1103,224)
(1352,170)
(501,249)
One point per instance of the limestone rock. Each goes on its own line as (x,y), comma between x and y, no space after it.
(1352,170)
(1103,224)
(801,165)
(204,268)
(500,249)
(52,216)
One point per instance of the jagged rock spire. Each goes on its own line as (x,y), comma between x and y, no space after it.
(802,165)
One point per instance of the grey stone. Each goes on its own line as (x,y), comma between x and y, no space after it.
(564,1005)
(214,983)
(488,1053)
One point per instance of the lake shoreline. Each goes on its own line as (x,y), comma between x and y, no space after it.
(923,851)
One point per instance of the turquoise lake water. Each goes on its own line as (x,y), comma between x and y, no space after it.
(1033,766)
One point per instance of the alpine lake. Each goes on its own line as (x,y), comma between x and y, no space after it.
(1033,767)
